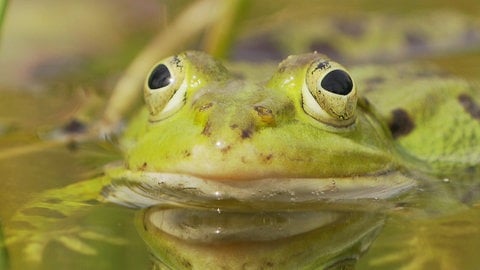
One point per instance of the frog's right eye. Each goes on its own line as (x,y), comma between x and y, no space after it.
(165,88)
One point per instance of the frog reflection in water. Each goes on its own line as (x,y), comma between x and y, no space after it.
(209,136)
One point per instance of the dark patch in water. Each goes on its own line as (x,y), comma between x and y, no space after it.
(416,41)
(257,48)
(352,28)
(325,47)
(74,126)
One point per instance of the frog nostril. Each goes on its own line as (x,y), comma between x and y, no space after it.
(266,115)
(262,110)
(205,107)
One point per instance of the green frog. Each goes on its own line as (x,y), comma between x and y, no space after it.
(311,131)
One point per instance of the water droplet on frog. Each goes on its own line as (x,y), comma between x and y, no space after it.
(218,195)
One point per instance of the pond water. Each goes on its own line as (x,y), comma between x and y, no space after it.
(409,232)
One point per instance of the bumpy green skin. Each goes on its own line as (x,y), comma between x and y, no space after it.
(434,117)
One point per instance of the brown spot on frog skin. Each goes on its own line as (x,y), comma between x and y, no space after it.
(470,106)
(246,133)
(186,153)
(225,149)
(401,123)
(143,167)
(206,130)
(266,158)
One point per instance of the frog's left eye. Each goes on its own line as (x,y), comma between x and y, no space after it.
(160,77)
(165,88)
(329,94)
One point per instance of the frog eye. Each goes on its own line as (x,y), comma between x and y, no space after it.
(160,77)
(329,94)
(165,88)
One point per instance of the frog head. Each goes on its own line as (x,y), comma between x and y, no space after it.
(301,134)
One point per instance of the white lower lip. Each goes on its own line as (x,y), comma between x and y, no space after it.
(144,189)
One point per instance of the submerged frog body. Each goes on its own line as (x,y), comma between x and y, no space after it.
(209,136)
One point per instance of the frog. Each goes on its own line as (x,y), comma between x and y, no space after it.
(309,132)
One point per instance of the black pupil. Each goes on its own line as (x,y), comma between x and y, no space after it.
(338,82)
(160,77)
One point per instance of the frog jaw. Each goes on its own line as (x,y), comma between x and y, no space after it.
(144,189)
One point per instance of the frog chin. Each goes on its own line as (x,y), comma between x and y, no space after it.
(144,189)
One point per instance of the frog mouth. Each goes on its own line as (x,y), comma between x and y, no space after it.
(144,189)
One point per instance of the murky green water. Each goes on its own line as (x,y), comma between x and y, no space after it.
(44,88)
